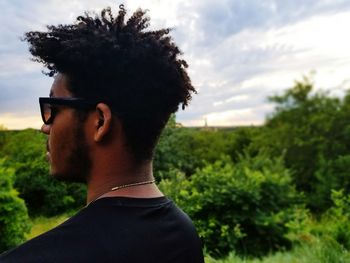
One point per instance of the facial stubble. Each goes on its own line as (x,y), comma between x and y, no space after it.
(78,161)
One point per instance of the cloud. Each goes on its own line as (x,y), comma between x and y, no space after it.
(239,51)
(256,63)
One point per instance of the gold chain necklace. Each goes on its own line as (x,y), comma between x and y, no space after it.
(121,187)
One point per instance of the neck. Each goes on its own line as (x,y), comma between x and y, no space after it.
(129,182)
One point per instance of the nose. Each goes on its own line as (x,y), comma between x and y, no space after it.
(45,128)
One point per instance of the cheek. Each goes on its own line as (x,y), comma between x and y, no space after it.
(60,142)
(60,133)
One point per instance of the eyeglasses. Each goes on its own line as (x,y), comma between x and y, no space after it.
(48,112)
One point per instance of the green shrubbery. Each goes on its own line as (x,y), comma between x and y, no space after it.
(14,221)
(334,224)
(243,207)
(26,153)
(318,251)
(189,149)
(312,130)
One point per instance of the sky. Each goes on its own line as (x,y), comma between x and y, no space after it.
(239,52)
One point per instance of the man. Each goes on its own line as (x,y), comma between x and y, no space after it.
(115,86)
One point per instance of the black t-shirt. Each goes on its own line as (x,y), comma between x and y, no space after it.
(117,229)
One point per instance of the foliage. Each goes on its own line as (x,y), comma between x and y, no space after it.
(318,251)
(312,131)
(321,241)
(25,151)
(188,149)
(14,221)
(243,207)
(332,174)
(43,224)
(335,223)
(170,153)
(2,135)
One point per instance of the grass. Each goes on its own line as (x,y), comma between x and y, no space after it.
(318,251)
(43,224)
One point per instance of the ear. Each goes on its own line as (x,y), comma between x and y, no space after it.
(103,122)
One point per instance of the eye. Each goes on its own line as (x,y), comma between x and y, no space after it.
(50,113)
(53,108)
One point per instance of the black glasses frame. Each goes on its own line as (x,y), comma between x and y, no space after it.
(77,103)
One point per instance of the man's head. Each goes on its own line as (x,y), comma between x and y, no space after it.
(136,73)
(67,147)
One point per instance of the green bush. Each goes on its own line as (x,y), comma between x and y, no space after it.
(332,174)
(243,207)
(335,223)
(25,152)
(14,221)
(169,153)
(312,130)
(45,195)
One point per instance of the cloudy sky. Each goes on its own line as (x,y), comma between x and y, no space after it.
(239,52)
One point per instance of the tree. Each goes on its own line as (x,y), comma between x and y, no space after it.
(14,221)
(187,149)
(309,129)
(3,133)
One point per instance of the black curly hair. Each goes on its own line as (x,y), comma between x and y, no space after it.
(137,72)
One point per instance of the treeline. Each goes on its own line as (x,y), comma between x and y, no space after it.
(252,190)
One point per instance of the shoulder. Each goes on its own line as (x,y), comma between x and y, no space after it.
(45,247)
(140,228)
